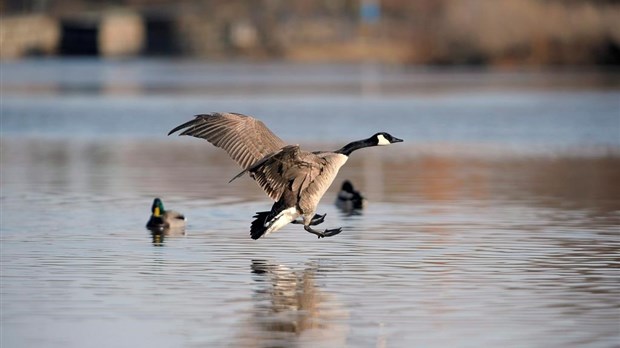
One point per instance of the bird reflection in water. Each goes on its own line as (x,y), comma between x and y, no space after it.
(159,234)
(291,310)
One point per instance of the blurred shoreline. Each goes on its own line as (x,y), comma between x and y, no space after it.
(189,76)
(455,111)
(440,32)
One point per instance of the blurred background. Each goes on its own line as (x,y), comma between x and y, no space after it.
(438,32)
(495,222)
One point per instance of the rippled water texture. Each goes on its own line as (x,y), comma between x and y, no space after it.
(495,224)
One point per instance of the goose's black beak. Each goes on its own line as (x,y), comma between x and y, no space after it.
(396,140)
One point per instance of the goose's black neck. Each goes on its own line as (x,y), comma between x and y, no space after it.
(356,145)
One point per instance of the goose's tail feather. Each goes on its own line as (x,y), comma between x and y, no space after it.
(271,221)
(260,224)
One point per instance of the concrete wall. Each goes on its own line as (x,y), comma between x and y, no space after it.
(110,35)
(28,35)
(121,34)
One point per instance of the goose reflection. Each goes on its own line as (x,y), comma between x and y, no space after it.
(291,309)
(159,234)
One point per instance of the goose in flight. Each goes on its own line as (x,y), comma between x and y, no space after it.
(295,179)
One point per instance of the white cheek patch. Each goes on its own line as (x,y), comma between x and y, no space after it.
(382,140)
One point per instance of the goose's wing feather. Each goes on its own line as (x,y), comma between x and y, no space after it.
(290,170)
(279,171)
(244,138)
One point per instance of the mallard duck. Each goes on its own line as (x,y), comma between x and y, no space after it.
(161,218)
(295,179)
(348,199)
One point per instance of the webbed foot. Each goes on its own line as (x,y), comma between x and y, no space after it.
(331,232)
(325,233)
(316,220)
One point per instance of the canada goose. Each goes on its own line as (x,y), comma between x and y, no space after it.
(349,199)
(161,218)
(295,179)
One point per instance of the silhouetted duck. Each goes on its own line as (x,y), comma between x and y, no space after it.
(349,199)
(161,218)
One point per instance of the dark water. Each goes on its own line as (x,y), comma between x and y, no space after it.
(496,223)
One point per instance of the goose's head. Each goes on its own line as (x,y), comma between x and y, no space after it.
(383,138)
(157,208)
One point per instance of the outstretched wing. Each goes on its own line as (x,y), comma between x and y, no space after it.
(245,139)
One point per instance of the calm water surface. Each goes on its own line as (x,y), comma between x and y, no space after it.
(496,223)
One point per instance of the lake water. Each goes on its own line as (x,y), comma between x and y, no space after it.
(496,222)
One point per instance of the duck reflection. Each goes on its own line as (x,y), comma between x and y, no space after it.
(159,234)
(291,310)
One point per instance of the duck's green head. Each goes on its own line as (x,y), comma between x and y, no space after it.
(158,207)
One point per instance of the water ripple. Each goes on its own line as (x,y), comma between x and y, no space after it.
(423,271)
